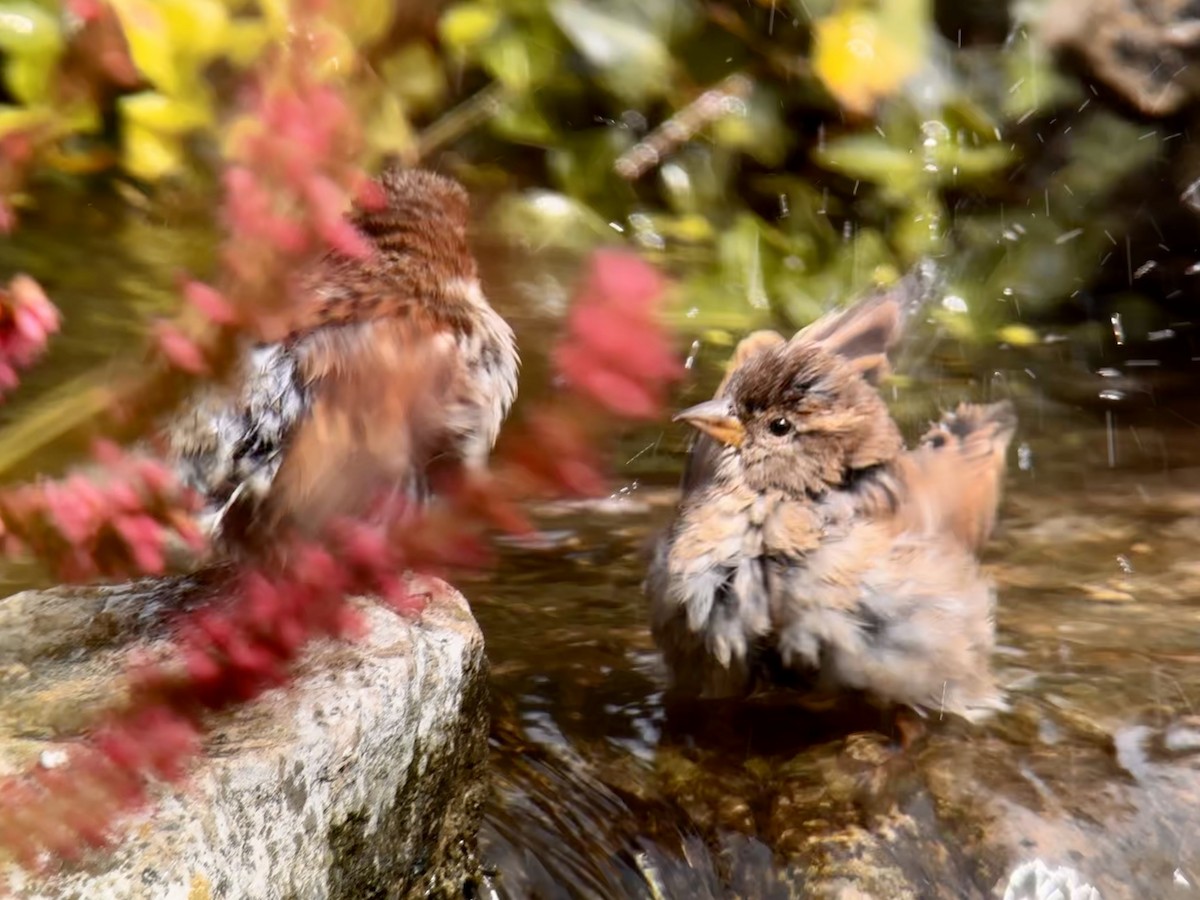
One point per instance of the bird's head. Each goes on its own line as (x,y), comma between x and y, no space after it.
(803,415)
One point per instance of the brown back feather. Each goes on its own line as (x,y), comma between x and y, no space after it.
(422,257)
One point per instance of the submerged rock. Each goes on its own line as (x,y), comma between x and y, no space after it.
(365,778)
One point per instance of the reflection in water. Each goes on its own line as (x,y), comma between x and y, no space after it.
(602,791)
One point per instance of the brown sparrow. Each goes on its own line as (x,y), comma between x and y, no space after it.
(396,361)
(810,547)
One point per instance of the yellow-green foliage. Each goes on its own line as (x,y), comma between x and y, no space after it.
(859,139)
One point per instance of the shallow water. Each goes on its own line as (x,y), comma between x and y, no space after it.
(602,791)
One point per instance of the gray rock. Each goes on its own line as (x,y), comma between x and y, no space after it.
(364,779)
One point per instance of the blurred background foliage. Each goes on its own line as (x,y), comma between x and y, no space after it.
(777,155)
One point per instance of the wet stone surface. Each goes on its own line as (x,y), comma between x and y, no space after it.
(365,778)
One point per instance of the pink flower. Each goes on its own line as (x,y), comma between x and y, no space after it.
(27,319)
(210,302)
(328,204)
(118,527)
(615,352)
(179,349)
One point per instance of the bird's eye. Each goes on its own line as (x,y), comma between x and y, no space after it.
(779,427)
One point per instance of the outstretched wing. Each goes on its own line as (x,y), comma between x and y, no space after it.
(955,476)
(380,397)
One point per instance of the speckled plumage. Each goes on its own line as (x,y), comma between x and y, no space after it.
(395,361)
(827,553)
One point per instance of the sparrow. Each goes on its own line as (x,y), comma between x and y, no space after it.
(390,365)
(811,548)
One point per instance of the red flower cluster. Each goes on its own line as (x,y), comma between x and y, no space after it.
(293,170)
(293,173)
(553,453)
(81,528)
(224,655)
(63,811)
(615,352)
(27,319)
(232,653)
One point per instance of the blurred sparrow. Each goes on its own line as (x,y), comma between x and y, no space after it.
(810,547)
(396,362)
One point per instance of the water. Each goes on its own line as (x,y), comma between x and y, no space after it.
(602,791)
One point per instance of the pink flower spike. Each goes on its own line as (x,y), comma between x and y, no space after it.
(611,388)
(370,196)
(625,279)
(180,350)
(327,202)
(210,302)
(107,453)
(29,295)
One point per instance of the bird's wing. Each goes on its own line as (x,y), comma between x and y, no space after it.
(866,333)
(953,479)
(379,402)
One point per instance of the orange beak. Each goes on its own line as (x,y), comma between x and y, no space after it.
(716,419)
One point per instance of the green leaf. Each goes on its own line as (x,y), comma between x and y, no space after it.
(163,114)
(196,28)
(465,27)
(519,120)
(20,118)
(150,154)
(518,61)
(32,42)
(28,30)
(757,130)
(582,166)
(245,40)
(633,61)
(149,40)
(921,229)
(960,163)
(545,219)
(389,129)
(414,74)
(27,78)
(366,21)
(870,158)
(1035,82)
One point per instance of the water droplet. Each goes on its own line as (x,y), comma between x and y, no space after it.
(1025,457)
(1118,329)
